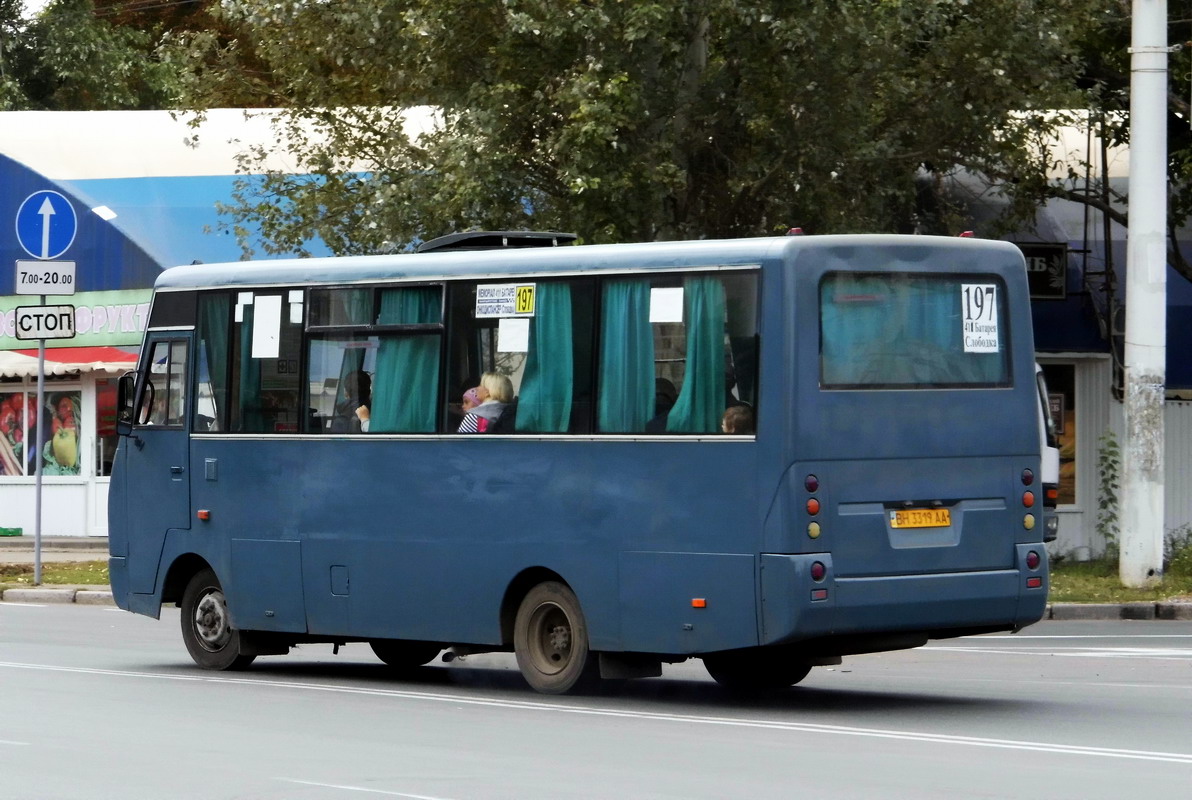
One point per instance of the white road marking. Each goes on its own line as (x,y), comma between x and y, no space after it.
(690,719)
(14,744)
(1021,637)
(361,789)
(15,604)
(1148,653)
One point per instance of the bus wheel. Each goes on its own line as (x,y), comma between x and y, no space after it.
(759,669)
(550,639)
(401,654)
(207,627)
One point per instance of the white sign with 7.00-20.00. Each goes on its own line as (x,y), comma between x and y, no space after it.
(45,277)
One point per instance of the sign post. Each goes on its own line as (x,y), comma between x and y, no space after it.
(46,226)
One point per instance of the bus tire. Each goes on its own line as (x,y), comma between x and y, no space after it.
(403,654)
(207,626)
(759,669)
(550,640)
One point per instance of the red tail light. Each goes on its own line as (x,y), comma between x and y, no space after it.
(818,571)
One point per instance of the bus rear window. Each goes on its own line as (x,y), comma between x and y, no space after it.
(913,331)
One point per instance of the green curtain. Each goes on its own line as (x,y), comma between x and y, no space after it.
(213,339)
(701,401)
(406,384)
(252,418)
(548,382)
(626,401)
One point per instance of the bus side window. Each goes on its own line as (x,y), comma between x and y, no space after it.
(211,377)
(163,398)
(676,351)
(542,342)
(266,355)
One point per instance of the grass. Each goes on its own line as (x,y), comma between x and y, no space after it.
(83,573)
(1097,582)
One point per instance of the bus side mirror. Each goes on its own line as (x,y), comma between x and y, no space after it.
(126,391)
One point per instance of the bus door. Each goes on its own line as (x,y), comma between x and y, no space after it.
(159,456)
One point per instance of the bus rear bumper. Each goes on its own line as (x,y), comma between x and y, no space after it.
(794,607)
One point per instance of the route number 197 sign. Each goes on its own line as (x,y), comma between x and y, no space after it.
(979,307)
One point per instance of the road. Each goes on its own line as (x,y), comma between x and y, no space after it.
(98,703)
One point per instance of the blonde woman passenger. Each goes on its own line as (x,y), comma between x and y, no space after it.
(495,393)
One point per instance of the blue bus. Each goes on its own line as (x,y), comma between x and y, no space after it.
(292,467)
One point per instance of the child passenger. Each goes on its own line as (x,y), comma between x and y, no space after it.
(737,419)
(495,393)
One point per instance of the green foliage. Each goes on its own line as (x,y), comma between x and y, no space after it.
(69,59)
(633,120)
(1109,471)
(1177,560)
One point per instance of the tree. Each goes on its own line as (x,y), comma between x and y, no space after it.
(67,58)
(1102,103)
(634,120)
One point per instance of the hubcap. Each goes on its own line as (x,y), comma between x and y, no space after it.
(550,638)
(211,621)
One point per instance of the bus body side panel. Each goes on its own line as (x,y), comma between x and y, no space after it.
(426,546)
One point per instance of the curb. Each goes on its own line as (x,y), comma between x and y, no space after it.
(1111,611)
(100,596)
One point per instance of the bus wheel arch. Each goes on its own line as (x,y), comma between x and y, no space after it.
(550,641)
(207,626)
(516,592)
(184,567)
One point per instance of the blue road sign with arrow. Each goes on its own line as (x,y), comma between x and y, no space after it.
(46,224)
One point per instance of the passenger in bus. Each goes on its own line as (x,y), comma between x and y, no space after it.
(737,419)
(496,398)
(352,411)
(471,399)
(665,395)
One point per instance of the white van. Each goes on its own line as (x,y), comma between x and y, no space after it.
(1050,450)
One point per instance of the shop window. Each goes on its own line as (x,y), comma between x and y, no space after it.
(19,418)
(106,438)
(18,414)
(1061,388)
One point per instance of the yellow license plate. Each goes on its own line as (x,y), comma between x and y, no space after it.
(921,518)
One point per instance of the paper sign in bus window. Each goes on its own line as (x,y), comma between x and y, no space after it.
(505,300)
(266,326)
(513,335)
(666,304)
(978,303)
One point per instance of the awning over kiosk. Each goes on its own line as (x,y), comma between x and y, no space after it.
(65,360)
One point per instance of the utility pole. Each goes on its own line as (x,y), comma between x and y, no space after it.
(1146,301)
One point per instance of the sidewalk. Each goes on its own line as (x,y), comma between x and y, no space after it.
(19,550)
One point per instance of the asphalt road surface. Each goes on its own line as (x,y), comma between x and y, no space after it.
(97,703)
